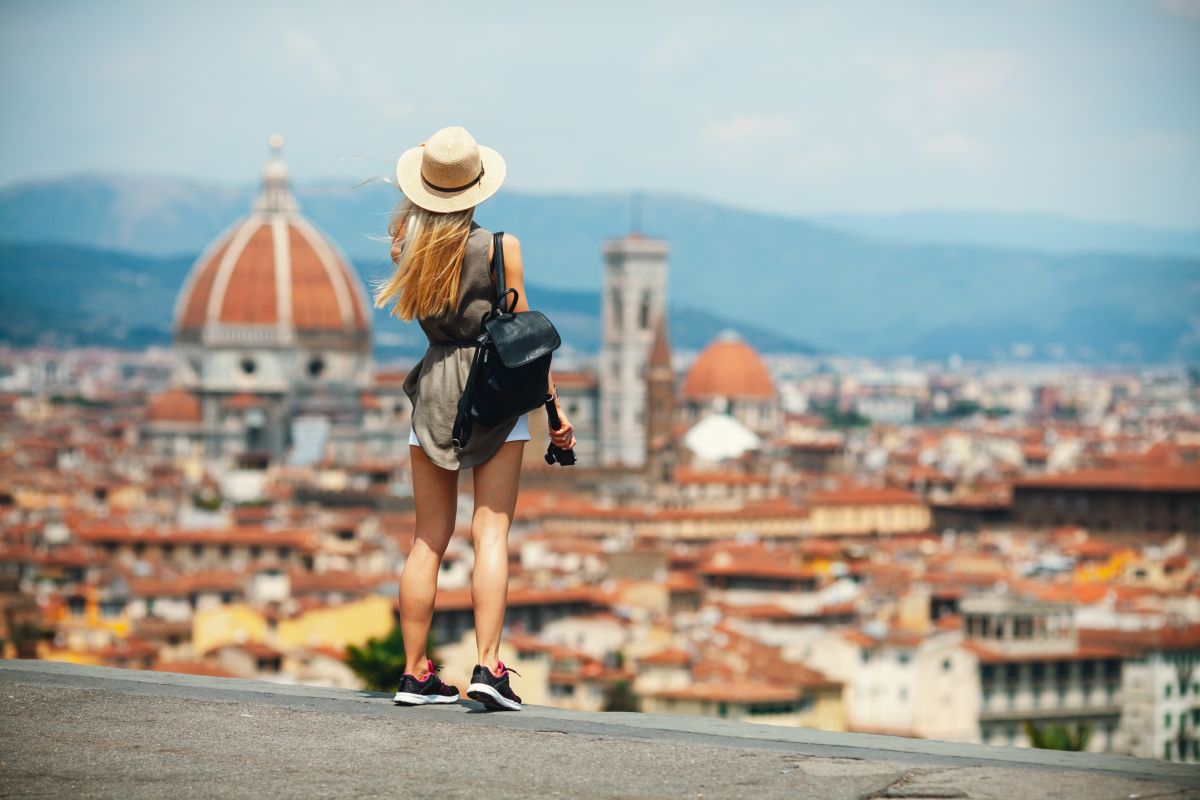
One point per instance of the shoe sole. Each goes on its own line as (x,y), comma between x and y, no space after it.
(411,699)
(491,699)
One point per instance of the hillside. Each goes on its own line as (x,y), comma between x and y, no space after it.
(795,280)
(69,295)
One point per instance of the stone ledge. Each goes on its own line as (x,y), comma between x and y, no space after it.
(895,766)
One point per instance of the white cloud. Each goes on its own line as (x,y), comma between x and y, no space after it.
(750,129)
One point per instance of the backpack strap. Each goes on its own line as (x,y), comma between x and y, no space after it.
(463,424)
(498,269)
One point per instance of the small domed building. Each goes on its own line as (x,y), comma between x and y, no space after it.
(272,336)
(730,377)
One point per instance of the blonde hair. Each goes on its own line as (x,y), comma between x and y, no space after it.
(432,245)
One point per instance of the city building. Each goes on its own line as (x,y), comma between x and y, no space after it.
(1131,499)
(1034,669)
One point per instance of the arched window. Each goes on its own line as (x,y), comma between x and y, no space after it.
(644,312)
(617,315)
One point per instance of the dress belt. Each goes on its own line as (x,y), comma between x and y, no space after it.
(455,343)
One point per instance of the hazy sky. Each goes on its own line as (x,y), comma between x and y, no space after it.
(1088,108)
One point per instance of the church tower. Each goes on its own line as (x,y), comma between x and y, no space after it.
(635,295)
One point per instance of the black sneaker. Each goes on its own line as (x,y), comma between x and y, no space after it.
(494,692)
(413,692)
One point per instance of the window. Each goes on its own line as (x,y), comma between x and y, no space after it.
(903,658)
(1167,720)
(945,665)
(617,315)
(249,366)
(644,312)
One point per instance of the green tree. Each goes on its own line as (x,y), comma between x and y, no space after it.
(1059,736)
(381,662)
(619,696)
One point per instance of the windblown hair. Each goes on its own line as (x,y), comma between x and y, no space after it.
(432,245)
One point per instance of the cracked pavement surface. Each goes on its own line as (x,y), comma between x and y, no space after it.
(94,732)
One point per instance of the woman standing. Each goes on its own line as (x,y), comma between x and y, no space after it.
(443,280)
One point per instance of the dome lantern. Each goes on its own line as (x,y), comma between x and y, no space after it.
(275,197)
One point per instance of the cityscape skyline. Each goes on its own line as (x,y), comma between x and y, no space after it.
(898,478)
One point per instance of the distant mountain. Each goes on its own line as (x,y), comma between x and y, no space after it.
(797,280)
(1044,232)
(68,295)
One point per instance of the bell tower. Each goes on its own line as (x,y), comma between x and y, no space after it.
(635,293)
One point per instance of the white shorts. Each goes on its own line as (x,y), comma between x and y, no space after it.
(520,431)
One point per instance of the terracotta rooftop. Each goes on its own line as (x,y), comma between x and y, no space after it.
(1136,478)
(175,405)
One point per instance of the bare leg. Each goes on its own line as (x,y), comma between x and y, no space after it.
(435,495)
(496,484)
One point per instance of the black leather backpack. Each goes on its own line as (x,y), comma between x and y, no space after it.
(510,372)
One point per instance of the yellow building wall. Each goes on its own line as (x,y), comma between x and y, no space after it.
(68,656)
(862,519)
(338,626)
(235,623)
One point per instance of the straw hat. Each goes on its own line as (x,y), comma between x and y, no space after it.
(450,171)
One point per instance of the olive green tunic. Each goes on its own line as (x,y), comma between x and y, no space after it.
(436,382)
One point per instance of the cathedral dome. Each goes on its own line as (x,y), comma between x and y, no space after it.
(730,368)
(273,278)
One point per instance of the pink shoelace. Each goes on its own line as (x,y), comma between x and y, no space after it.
(504,669)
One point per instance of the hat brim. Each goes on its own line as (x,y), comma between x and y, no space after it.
(408,178)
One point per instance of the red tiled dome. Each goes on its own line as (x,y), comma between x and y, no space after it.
(175,405)
(272,268)
(729,367)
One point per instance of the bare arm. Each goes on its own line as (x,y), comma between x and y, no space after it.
(514,278)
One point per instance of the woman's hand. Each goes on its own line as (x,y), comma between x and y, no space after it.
(564,437)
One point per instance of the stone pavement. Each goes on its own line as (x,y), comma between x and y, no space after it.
(76,731)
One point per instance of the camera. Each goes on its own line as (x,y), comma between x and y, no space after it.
(554,453)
